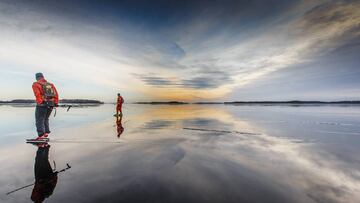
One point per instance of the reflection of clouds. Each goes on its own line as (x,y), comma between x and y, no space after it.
(206,122)
(233,167)
(311,172)
(181,112)
(158,124)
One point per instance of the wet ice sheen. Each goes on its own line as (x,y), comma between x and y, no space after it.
(189,153)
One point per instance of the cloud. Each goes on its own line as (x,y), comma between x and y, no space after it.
(207,80)
(153,80)
(205,50)
(198,80)
(314,33)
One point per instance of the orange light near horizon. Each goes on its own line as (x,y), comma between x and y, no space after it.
(183,94)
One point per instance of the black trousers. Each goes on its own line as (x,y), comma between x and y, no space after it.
(42,114)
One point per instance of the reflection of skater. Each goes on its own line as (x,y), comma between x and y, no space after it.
(45,177)
(120,128)
(120,101)
(46,99)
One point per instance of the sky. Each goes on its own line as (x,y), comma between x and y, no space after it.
(182,50)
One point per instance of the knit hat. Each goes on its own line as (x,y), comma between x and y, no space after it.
(38,76)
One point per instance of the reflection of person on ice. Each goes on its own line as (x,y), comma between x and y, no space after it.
(120,101)
(119,127)
(46,99)
(45,177)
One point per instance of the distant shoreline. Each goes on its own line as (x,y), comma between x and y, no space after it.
(293,103)
(236,103)
(162,103)
(62,101)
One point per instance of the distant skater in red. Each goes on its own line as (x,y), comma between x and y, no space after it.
(120,101)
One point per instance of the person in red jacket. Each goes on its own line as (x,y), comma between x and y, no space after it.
(120,101)
(46,99)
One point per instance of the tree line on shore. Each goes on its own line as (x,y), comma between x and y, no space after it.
(293,102)
(63,101)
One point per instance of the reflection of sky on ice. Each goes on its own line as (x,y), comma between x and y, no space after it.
(232,154)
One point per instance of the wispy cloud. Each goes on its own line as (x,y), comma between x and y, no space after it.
(205,54)
(317,31)
(199,80)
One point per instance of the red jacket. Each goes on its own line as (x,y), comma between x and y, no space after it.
(39,92)
(120,101)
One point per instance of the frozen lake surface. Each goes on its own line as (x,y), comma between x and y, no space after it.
(186,153)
